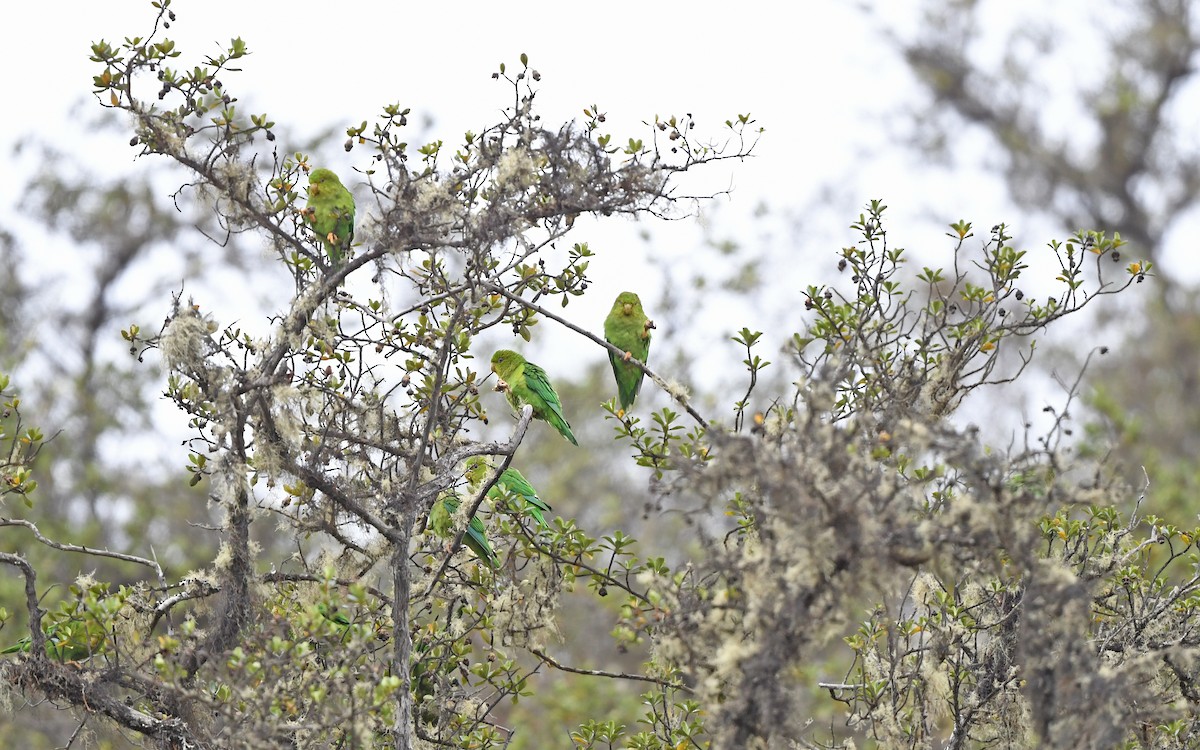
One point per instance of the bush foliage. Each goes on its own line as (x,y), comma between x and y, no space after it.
(864,567)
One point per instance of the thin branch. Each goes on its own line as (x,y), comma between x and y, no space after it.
(601,673)
(277,577)
(85,550)
(200,589)
(330,489)
(402,724)
(435,393)
(36,636)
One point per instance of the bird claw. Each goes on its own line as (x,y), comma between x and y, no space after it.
(500,386)
(628,356)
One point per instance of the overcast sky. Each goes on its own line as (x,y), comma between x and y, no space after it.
(820,78)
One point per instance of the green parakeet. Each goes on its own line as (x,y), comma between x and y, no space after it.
(336,616)
(346,627)
(441,523)
(526,383)
(512,482)
(69,640)
(628,328)
(330,212)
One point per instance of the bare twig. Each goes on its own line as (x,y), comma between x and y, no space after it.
(601,673)
(36,636)
(153,564)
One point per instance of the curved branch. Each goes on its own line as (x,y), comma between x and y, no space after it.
(36,636)
(64,547)
(200,588)
(546,658)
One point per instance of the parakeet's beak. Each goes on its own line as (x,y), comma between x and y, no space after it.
(627,309)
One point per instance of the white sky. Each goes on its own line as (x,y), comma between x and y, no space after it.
(806,75)
(817,78)
(817,75)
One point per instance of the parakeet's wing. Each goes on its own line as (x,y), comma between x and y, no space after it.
(65,641)
(538,384)
(628,375)
(475,538)
(516,484)
(440,522)
(19,647)
(342,217)
(335,616)
(345,216)
(536,381)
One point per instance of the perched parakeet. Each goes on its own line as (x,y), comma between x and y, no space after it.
(336,616)
(512,482)
(345,626)
(628,328)
(330,212)
(526,383)
(69,640)
(441,523)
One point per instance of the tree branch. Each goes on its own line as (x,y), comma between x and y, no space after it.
(65,547)
(601,673)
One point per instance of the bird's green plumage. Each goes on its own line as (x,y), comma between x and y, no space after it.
(515,484)
(337,617)
(527,384)
(330,212)
(347,628)
(475,538)
(628,328)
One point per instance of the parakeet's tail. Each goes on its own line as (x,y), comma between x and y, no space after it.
(536,513)
(563,428)
(628,391)
(478,544)
(629,381)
